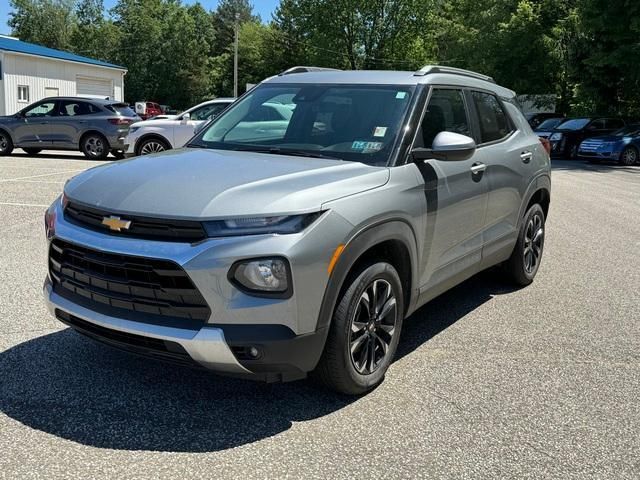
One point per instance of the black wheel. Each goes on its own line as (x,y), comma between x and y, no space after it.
(94,146)
(6,145)
(629,156)
(152,145)
(117,154)
(525,260)
(573,152)
(364,331)
(32,151)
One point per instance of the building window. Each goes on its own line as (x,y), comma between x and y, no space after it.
(23,93)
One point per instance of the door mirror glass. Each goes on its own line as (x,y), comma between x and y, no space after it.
(448,146)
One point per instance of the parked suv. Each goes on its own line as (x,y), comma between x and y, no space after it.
(94,126)
(272,255)
(156,135)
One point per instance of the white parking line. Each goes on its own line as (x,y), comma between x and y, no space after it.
(37,176)
(11,204)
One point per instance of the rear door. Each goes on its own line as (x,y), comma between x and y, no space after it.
(72,119)
(456,190)
(510,150)
(33,129)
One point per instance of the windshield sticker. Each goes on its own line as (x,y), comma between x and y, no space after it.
(366,147)
(379,131)
(401,95)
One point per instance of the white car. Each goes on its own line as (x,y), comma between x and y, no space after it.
(152,136)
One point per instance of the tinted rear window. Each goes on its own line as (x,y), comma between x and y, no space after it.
(121,109)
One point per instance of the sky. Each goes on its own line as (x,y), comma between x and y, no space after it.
(264,8)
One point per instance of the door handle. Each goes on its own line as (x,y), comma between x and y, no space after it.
(477,168)
(526,156)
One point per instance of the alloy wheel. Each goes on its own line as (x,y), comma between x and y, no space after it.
(152,146)
(94,146)
(373,327)
(533,242)
(4,143)
(629,156)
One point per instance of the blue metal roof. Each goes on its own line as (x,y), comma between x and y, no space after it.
(13,45)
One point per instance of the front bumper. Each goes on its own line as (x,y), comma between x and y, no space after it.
(284,330)
(206,346)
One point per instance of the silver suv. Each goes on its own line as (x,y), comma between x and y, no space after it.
(94,126)
(276,247)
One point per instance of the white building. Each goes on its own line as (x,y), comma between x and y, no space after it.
(29,73)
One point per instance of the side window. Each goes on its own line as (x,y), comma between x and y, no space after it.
(492,118)
(72,108)
(446,112)
(208,111)
(597,124)
(45,109)
(615,123)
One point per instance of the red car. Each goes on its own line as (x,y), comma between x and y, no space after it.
(146,110)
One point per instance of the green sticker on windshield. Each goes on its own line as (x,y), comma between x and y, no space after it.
(366,147)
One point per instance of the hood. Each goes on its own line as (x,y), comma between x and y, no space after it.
(604,138)
(200,184)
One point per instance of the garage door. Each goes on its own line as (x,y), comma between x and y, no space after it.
(94,86)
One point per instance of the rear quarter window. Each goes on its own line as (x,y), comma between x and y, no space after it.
(121,109)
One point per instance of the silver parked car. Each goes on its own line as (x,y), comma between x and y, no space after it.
(272,248)
(94,126)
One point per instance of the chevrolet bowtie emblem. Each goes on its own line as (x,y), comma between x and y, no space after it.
(116,223)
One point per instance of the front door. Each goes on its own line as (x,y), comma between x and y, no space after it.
(33,128)
(456,193)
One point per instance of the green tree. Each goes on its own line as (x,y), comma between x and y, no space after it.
(45,22)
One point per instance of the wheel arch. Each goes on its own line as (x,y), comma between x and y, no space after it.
(8,133)
(393,241)
(92,131)
(539,191)
(151,135)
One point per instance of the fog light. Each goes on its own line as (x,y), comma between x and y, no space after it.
(253,352)
(267,276)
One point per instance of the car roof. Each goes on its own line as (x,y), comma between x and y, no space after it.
(387,77)
(99,101)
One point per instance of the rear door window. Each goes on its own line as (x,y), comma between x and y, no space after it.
(446,112)
(492,119)
(614,123)
(73,108)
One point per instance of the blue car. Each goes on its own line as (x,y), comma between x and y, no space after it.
(621,146)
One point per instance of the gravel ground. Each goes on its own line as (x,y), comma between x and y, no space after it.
(490,382)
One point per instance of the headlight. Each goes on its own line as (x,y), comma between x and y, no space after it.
(262,277)
(133,129)
(555,136)
(50,215)
(260,225)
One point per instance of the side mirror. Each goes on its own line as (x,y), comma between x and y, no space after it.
(186,117)
(447,146)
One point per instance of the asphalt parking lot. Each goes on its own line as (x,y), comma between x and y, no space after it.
(542,382)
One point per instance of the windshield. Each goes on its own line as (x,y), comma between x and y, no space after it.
(349,122)
(574,124)
(550,123)
(628,131)
(121,109)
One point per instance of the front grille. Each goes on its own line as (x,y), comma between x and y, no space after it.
(141,227)
(589,146)
(155,289)
(141,345)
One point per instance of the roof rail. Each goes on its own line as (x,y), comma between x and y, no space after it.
(303,69)
(428,69)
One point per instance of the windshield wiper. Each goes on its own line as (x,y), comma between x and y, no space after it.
(285,151)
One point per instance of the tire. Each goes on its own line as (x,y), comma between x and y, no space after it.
(94,146)
(117,154)
(152,145)
(525,259)
(360,344)
(32,151)
(6,145)
(572,152)
(629,156)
